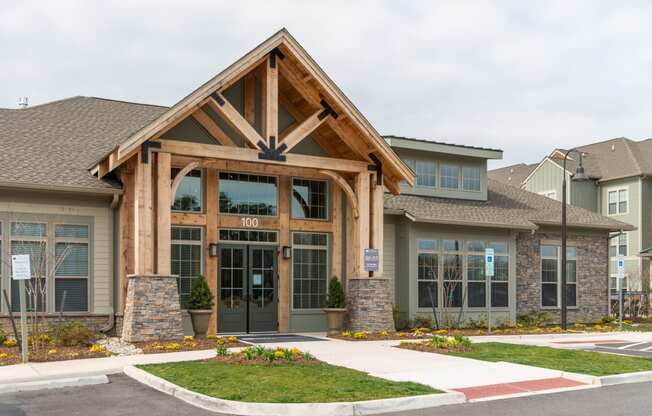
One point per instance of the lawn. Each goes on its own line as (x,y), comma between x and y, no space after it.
(574,361)
(291,383)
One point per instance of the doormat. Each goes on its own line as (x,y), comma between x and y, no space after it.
(277,338)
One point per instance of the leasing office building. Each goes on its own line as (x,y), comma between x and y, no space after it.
(268,181)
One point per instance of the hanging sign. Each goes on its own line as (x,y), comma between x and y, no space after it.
(371,259)
(20,267)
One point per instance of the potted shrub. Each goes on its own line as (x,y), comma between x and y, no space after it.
(199,306)
(335,306)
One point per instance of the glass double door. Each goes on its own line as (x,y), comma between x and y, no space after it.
(247,288)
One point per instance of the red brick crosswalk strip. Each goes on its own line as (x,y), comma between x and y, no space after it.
(502,389)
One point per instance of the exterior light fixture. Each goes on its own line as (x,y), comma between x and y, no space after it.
(212,250)
(287,252)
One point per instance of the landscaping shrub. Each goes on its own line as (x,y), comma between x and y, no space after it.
(335,295)
(76,333)
(222,350)
(423,321)
(269,354)
(3,336)
(533,319)
(201,297)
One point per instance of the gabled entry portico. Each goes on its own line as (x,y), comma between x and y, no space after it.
(282,155)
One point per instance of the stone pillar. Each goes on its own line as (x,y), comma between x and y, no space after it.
(152,310)
(369,303)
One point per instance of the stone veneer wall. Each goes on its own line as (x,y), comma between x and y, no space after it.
(592,275)
(369,303)
(152,310)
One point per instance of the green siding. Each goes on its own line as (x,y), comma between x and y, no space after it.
(547,177)
(584,194)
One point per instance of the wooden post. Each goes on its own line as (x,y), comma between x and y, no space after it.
(336,217)
(362,236)
(211,238)
(163,213)
(143,261)
(127,238)
(377,222)
(284,264)
(271,98)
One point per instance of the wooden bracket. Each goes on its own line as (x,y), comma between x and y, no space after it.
(376,167)
(342,183)
(328,111)
(182,173)
(217,97)
(272,152)
(144,150)
(275,53)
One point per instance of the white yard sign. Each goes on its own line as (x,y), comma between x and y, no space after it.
(20,267)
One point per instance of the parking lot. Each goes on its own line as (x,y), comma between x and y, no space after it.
(638,348)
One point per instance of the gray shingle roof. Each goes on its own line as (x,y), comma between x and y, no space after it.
(512,175)
(507,207)
(54,144)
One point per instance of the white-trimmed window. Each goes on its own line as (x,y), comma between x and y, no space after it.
(186,258)
(453,273)
(549,194)
(310,267)
(471,178)
(475,274)
(31,238)
(500,280)
(72,254)
(426,173)
(427,273)
(618,245)
(551,276)
(449,176)
(309,199)
(613,283)
(618,201)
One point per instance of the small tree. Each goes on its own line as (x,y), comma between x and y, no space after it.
(200,294)
(335,296)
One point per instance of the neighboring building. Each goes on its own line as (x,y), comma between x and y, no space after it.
(513,174)
(619,187)
(125,204)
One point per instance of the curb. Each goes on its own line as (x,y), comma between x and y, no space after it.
(53,384)
(294,409)
(626,378)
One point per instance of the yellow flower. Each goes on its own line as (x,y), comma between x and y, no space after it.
(383,333)
(3,355)
(221,341)
(232,339)
(295,351)
(188,338)
(45,338)
(279,354)
(10,343)
(346,333)
(52,351)
(173,346)
(360,335)
(96,348)
(211,337)
(400,334)
(441,332)
(627,322)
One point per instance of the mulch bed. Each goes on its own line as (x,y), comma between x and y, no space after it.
(46,354)
(418,346)
(196,344)
(377,337)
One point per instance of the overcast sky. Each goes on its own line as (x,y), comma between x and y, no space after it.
(523,76)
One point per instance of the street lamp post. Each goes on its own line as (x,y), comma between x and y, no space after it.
(578,176)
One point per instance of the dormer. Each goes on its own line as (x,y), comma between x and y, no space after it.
(445,170)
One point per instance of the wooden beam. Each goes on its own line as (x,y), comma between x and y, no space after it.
(284,267)
(211,263)
(163,212)
(377,223)
(188,218)
(362,190)
(182,174)
(212,128)
(271,98)
(336,244)
(250,98)
(126,242)
(201,150)
(143,222)
(304,129)
(233,117)
(344,185)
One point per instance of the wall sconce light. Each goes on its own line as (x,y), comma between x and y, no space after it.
(212,250)
(287,252)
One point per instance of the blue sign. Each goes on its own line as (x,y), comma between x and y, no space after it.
(621,266)
(489,262)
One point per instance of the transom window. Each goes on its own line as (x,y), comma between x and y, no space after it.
(449,176)
(309,199)
(618,245)
(309,270)
(617,201)
(242,193)
(426,170)
(471,178)
(261,236)
(189,193)
(186,259)
(551,276)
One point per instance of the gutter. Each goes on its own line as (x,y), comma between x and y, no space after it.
(414,218)
(59,188)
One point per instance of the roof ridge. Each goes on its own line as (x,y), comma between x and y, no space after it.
(29,107)
(628,144)
(126,102)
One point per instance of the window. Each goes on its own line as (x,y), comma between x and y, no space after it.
(309,199)
(428,274)
(617,201)
(248,235)
(241,193)
(71,274)
(471,178)
(309,270)
(449,176)
(618,245)
(453,274)
(410,164)
(549,194)
(189,193)
(551,276)
(613,284)
(31,238)
(186,259)
(426,173)
(475,274)
(500,280)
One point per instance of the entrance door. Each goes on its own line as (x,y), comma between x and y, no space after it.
(247,288)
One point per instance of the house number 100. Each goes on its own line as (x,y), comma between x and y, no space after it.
(249,222)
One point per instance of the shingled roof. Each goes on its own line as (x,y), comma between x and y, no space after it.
(53,145)
(512,175)
(507,207)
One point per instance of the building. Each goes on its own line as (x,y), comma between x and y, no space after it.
(619,188)
(268,181)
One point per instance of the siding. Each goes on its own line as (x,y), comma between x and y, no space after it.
(389,248)
(547,177)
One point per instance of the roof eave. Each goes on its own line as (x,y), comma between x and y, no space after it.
(61,188)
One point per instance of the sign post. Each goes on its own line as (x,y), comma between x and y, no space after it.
(21,271)
(620,279)
(488,274)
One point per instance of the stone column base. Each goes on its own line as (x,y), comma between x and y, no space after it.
(369,302)
(152,310)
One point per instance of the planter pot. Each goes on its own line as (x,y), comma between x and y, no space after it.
(200,318)
(335,320)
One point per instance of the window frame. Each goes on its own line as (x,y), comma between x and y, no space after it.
(437,253)
(202,191)
(618,245)
(617,191)
(199,243)
(558,282)
(295,247)
(74,240)
(327,195)
(48,257)
(463,175)
(278,192)
(435,165)
(442,177)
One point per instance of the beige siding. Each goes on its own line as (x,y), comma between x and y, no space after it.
(47,207)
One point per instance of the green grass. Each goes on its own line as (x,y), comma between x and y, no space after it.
(294,383)
(574,361)
(646,327)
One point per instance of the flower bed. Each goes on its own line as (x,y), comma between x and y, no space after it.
(416,333)
(189,344)
(440,344)
(261,355)
(10,353)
